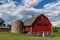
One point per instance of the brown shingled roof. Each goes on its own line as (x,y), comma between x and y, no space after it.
(29,21)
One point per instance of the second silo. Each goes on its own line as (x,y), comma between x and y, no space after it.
(16,26)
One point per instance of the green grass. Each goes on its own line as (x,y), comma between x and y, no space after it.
(14,36)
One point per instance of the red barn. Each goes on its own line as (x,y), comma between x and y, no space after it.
(40,26)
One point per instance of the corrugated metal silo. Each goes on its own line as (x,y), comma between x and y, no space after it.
(17,26)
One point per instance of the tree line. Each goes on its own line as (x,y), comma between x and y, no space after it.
(2,23)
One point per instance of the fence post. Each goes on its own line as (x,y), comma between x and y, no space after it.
(43,35)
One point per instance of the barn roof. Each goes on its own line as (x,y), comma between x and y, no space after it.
(31,20)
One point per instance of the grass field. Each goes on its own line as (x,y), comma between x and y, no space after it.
(13,36)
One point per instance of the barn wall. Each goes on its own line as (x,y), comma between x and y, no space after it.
(29,28)
(36,28)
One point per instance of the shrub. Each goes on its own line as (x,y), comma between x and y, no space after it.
(55,29)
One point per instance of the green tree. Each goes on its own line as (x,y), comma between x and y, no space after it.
(8,25)
(4,24)
(55,29)
(1,22)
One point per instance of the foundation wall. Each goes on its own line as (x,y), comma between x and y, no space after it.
(40,34)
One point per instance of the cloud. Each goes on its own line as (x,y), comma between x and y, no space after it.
(2,1)
(29,3)
(57,24)
(6,11)
(52,10)
(10,11)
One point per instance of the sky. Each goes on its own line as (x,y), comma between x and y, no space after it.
(23,9)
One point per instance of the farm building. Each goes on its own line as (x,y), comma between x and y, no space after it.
(17,26)
(40,26)
(4,29)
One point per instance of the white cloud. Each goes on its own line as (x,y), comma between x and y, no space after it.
(56,23)
(10,11)
(2,1)
(8,8)
(29,3)
(53,10)
(52,5)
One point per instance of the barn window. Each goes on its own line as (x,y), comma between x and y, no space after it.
(42,24)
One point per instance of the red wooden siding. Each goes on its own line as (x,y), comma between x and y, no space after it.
(40,20)
(29,28)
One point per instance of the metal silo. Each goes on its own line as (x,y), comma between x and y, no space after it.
(16,26)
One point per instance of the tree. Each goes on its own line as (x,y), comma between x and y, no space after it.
(1,22)
(55,29)
(4,24)
(8,25)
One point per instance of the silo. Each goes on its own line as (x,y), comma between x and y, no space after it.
(16,26)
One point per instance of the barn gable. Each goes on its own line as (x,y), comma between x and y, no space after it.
(41,23)
(43,19)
